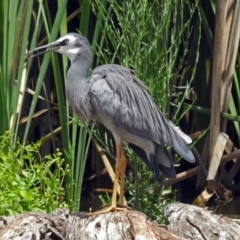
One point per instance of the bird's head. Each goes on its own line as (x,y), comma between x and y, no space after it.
(71,44)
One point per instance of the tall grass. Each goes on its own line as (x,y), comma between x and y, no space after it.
(15,18)
(202,83)
(151,38)
(25,24)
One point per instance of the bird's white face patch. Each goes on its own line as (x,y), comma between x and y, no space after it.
(70,49)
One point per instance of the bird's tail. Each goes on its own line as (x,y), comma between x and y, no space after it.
(179,142)
(181,147)
(163,160)
(159,162)
(186,138)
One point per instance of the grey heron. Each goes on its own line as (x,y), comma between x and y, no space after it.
(115,97)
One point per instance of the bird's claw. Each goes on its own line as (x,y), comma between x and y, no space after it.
(111,208)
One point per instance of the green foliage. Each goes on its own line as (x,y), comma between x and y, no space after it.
(23,26)
(145,194)
(14,17)
(27,182)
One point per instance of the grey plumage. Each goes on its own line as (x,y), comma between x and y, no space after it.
(114,96)
(122,104)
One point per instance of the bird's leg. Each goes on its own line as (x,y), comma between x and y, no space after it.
(123,160)
(117,174)
(119,169)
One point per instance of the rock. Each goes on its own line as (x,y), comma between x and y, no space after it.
(60,224)
(195,223)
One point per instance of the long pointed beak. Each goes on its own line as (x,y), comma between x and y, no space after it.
(51,47)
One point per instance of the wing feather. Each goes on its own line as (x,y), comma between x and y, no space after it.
(125,100)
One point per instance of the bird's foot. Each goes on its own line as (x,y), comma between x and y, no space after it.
(111,208)
(118,205)
(125,206)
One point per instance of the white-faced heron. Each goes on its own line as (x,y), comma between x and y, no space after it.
(115,97)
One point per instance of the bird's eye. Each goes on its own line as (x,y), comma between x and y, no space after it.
(64,42)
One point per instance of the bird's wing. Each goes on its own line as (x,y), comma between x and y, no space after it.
(121,96)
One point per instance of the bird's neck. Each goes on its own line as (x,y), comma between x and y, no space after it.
(80,65)
(77,86)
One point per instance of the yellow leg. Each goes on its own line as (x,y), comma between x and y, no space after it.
(117,174)
(120,168)
(123,160)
